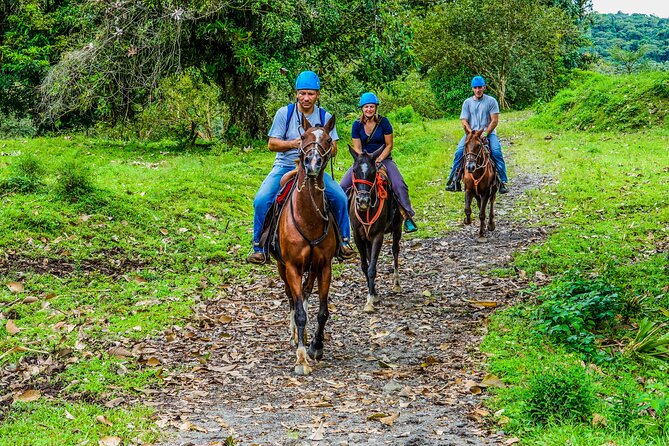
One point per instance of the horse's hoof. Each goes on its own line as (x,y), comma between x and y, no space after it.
(302,369)
(369,308)
(481,239)
(491,227)
(316,354)
(397,289)
(467,222)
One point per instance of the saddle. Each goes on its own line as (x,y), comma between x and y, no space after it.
(269,236)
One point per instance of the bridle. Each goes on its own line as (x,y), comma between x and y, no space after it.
(381,195)
(319,149)
(483,155)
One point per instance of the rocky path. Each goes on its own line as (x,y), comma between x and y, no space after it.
(402,376)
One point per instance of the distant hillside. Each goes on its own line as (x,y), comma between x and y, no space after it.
(630,31)
(603,102)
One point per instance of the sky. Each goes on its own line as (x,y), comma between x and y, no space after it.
(659,8)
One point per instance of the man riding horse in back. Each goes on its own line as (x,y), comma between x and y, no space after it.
(284,139)
(479,112)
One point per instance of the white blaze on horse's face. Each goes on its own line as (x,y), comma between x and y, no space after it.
(313,160)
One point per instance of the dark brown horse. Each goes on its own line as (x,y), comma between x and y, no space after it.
(480,180)
(308,242)
(373,212)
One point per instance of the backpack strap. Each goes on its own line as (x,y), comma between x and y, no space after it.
(291,110)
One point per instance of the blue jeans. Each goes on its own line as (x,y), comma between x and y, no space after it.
(270,187)
(497,156)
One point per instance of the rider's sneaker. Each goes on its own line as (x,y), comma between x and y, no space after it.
(258,258)
(346,252)
(410,225)
(454,186)
(503,188)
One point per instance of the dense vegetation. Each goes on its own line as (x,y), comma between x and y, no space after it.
(630,32)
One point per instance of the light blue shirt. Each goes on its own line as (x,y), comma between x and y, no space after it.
(287,159)
(479,112)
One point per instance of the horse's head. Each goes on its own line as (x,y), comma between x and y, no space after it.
(316,146)
(473,150)
(364,176)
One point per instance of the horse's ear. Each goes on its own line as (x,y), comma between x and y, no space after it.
(478,133)
(354,154)
(330,125)
(378,152)
(306,125)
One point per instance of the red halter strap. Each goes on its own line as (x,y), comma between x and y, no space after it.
(381,192)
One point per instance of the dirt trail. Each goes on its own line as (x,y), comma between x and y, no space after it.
(413,357)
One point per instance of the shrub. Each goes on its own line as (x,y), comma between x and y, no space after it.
(559,394)
(404,115)
(26,175)
(12,126)
(574,310)
(73,181)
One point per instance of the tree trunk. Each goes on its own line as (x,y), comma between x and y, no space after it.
(248,117)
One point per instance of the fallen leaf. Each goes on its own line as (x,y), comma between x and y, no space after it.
(473,387)
(427,293)
(30,299)
(376,416)
(11,327)
(15,287)
(492,381)
(28,395)
(164,231)
(109,441)
(102,419)
(318,433)
(389,420)
(120,352)
(224,319)
(513,440)
(68,415)
(152,361)
(482,303)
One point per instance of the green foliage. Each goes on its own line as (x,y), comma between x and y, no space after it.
(650,341)
(451,89)
(520,47)
(573,310)
(630,32)
(12,126)
(187,107)
(26,175)
(597,102)
(560,394)
(74,180)
(404,115)
(412,91)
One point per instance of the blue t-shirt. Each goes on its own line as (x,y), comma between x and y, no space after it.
(377,139)
(478,112)
(287,159)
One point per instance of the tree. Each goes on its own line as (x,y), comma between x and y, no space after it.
(629,59)
(519,46)
(246,46)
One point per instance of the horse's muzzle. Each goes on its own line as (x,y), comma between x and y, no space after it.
(470,166)
(313,164)
(363,201)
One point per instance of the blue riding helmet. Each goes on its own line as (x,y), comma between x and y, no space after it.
(478,81)
(307,80)
(368,98)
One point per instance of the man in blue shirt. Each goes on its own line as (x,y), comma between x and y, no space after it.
(479,112)
(284,139)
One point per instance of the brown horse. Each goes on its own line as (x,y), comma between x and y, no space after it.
(376,213)
(308,241)
(480,180)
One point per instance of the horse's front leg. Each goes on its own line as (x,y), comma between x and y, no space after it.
(468,206)
(294,279)
(397,236)
(324,278)
(372,297)
(483,204)
(291,318)
(491,217)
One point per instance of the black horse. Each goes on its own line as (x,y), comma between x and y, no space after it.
(374,212)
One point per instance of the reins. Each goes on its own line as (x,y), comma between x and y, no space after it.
(483,153)
(381,196)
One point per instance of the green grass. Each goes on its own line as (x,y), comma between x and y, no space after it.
(137,223)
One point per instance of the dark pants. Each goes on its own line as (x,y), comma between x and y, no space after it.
(400,188)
